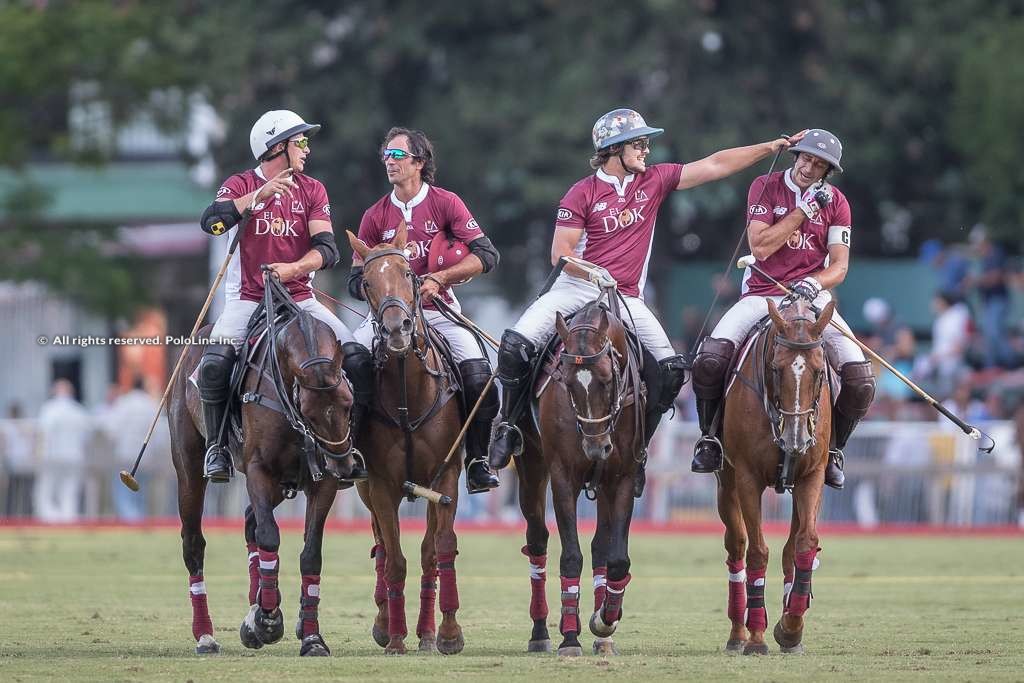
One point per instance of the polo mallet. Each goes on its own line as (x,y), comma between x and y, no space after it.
(969,430)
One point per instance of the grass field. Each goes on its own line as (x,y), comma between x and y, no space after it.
(111,605)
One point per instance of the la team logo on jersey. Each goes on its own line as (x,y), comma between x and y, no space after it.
(641,196)
(297,206)
(430,227)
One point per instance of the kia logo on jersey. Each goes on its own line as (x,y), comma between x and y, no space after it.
(564,214)
(758,210)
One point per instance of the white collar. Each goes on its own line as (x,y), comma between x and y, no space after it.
(620,188)
(407,207)
(259,173)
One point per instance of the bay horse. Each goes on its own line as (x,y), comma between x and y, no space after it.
(413,425)
(776,430)
(590,437)
(297,369)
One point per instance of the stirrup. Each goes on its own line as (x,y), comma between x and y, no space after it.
(221,477)
(358,466)
(707,438)
(487,469)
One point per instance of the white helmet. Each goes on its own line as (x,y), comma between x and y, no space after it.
(277,126)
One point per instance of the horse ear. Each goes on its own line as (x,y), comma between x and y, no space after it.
(358,246)
(401,235)
(824,318)
(561,328)
(773,311)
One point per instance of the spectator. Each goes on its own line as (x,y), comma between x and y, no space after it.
(126,423)
(64,430)
(18,440)
(949,264)
(950,335)
(994,296)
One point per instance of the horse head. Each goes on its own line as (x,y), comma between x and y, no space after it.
(390,288)
(591,373)
(310,359)
(796,359)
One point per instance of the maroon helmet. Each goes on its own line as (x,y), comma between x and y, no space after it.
(445,252)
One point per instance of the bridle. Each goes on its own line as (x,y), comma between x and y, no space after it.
(391,301)
(585,360)
(774,406)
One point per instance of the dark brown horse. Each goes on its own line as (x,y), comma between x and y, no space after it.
(307,360)
(775,433)
(590,438)
(413,427)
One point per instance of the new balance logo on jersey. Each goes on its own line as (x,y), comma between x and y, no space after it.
(624,219)
(800,241)
(600,206)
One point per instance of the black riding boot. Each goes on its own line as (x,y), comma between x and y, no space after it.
(709,370)
(515,356)
(855,396)
(214,386)
(671,378)
(358,367)
(475,373)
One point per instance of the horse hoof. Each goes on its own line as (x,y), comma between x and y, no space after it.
(451,646)
(570,651)
(539,645)
(428,644)
(313,645)
(734,646)
(755,649)
(380,635)
(601,629)
(207,645)
(395,646)
(605,647)
(789,642)
(269,626)
(247,631)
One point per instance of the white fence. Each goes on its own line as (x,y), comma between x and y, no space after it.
(896,473)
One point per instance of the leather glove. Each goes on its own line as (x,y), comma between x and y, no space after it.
(601,277)
(808,288)
(814,199)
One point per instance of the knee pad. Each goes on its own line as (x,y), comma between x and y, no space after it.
(515,354)
(358,367)
(215,372)
(858,389)
(710,367)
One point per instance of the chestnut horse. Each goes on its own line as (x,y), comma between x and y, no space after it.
(413,425)
(305,358)
(776,432)
(590,437)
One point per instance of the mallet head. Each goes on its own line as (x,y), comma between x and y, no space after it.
(745,261)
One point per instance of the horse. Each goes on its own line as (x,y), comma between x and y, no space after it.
(299,370)
(587,433)
(780,397)
(405,441)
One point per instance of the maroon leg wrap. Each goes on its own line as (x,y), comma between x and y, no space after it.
(254,571)
(570,621)
(201,622)
(737,591)
(428,598)
(538,577)
(268,595)
(757,615)
(800,597)
(616,591)
(449,588)
(600,586)
(396,610)
(309,603)
(380,591)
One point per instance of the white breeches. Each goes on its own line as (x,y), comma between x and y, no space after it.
(746,312)
(569,294)
(233,320)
